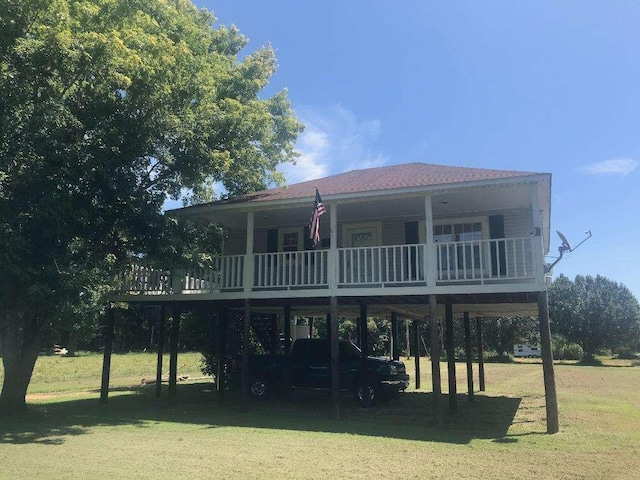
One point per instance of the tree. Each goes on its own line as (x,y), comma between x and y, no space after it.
(108,107)
(501,333)
(594,313)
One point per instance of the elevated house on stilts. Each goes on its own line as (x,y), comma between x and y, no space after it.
(419,241)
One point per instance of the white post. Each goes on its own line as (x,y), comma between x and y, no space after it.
(536,240)
(333,263)
(429,257)
(247,272)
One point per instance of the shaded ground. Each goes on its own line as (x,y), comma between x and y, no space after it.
(501,434)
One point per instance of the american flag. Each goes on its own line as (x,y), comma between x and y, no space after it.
(314,222)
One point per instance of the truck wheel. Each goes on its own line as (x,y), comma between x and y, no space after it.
(368,393)
(259,388)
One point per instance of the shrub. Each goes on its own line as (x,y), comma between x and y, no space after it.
(626,353)
(499,358)
(563,350)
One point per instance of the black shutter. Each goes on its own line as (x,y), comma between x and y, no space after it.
(498,256)
(308,243)
(411,237)
(272,240)
(411,233)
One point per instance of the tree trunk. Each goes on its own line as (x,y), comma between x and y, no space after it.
(19,347)
(72,343)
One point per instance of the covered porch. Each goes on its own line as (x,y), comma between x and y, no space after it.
(479,239)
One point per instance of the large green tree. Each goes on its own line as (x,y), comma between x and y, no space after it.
(502,333)
(594,312)
(108,107)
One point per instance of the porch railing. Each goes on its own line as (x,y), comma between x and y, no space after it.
(138,278)
(469,262)
(396,264)
(484,260)
(291,269)
(225,274)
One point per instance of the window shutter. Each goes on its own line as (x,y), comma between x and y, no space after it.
(411,236)
(411,232)
(498,256)
(272,240)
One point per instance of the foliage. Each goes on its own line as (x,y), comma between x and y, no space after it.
(108,107)
(563,350)
(594,312)
(627,353)
(502,333)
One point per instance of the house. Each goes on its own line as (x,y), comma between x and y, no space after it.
(416,240)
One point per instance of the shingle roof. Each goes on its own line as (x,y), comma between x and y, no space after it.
(391,177)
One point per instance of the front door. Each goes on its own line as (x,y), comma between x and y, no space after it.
(361,263)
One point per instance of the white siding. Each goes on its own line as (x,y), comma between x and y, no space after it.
(519,224)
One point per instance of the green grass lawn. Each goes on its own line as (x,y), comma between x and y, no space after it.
(68,434)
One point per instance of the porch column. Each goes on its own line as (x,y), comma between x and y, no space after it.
(451,359)
(173,353)
(221,336)
(335,359)
(416,352)
(287,347)
(395,351)
(246,325)
(273,333)
(333,260)
(536,239)
(469,355)
(364,338)
(407,338)
(161,324)
(328,327)
(435,360)
(430,253)
(106,358)
(480,354)
(547,364)
(247,271)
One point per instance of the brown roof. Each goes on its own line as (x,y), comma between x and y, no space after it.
(405,175)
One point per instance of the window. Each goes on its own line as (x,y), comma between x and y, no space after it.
(290,242)
(290,239)
(460,256)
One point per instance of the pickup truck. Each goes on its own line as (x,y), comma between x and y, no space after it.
(310,366)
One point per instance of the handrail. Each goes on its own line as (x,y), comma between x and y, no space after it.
(470,261)
(484,260)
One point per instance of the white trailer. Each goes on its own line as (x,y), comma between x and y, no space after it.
(526,351)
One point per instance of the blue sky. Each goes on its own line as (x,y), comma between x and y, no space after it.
(536,86)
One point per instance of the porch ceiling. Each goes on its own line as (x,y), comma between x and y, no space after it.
(458,202)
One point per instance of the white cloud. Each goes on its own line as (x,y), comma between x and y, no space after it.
(335,140)
(613,166)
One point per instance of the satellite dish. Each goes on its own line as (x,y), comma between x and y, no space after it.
(565,243)
(565,247)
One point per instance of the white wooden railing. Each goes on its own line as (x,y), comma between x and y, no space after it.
(291,269)
(225,274)
(469,262)
(484,260)
(396,264)
(138,278)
